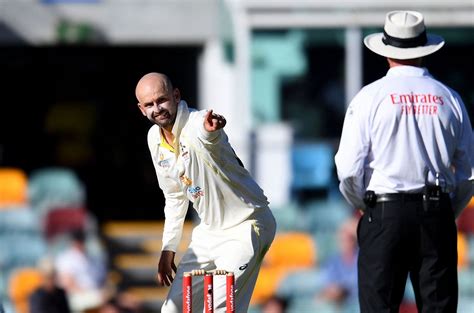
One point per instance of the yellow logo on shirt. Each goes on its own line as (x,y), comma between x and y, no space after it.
(186,180)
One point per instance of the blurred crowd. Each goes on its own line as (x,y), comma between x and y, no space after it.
(53,259)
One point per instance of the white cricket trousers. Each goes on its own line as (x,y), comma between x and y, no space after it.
(240,249)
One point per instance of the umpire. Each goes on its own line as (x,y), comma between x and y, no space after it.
(404,158)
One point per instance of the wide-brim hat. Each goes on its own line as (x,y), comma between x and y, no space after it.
(404,37)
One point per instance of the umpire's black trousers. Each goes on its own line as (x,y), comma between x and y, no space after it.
(397,238)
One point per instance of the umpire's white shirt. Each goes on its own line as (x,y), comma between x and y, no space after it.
(397,128)
(202,169)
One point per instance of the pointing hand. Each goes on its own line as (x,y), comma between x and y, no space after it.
(213,121)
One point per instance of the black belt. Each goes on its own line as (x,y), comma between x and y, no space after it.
(388,197)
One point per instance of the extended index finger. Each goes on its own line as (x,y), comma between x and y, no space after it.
(209,115)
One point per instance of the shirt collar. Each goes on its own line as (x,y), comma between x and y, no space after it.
(164,144)
(405,70)
(182,116)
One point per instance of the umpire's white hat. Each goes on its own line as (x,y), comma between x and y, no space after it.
(404,37)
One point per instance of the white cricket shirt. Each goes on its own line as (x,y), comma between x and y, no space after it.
(397,129)
(203,169)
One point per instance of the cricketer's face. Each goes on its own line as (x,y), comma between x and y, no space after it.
(158,104)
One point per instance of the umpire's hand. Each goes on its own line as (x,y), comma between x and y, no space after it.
(166,267)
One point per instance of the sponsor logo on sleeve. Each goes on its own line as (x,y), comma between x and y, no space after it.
(195,191)
(184,152)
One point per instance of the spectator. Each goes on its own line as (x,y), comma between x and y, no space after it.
(110,307)
(275,304)
(77,271)
(123,302)
(339,273)
(81,275)
(49,298)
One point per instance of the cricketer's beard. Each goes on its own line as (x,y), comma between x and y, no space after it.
(165,122)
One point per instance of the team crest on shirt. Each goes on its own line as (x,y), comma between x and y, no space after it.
(162,162)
